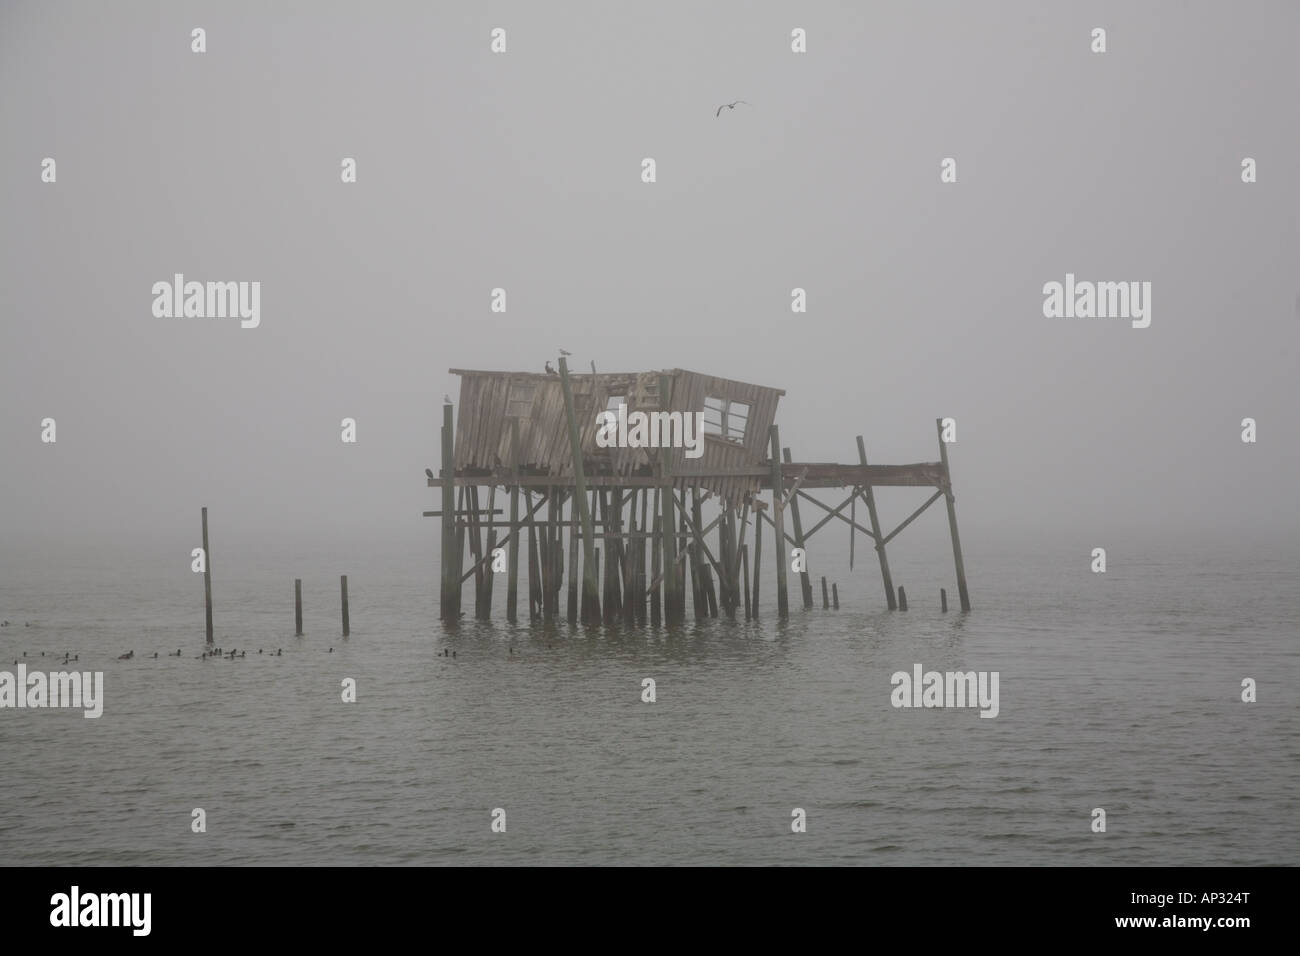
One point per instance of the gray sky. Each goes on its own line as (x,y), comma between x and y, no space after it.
(522,170)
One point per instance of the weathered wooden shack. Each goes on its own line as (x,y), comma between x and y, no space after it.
(539,434)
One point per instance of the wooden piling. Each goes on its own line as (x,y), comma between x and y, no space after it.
(450,589)
(826,601)
(697,557)
(343,590)
(489,575)
(962,592)
(744,564)
(902,598)
(656,565)
(709,592)
(674,607)
(579,483)
(805,580)
(835,596)
(297,607)
(573,559)
(639,582)
(476,552)
(534,585)
(943,600)
(758,556)
(870,497)
(207,582)
(778,525)
(512,572)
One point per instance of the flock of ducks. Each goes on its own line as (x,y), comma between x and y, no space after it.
(213,654)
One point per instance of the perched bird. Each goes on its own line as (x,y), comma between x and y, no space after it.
(549,370)
(565,353)
(728,106)
(428,473)
(446,400)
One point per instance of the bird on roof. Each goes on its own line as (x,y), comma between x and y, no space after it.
(728,106)
(428,473)
(549,370)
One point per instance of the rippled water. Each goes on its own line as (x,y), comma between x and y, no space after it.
(1119,691)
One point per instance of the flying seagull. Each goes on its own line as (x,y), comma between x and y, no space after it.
(728,106)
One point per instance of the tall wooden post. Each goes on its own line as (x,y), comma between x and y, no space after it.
(805,581)
(698,589)
(580,486)
(476,553)
(534,585)
(758,555)
(962,593)
(744,564)
(343,590)
(573,559)
(207,582)
(674,607)
(778,525)
(512,572)
(297,608)
(870,497)
(656,564)
(640,581)
(490,577)
(450,580)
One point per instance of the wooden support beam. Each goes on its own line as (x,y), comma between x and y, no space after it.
(962,592)
(297,607)
(207,583)
(580,487)
(656,563)
(512,573)
(704,548)
(573,559)
(870,498)
(674,607)
(513,537)
(832,514)
(758,555)
(912,517)
(476,552)
(778,523)
(343,590)
(744,564)
(857,491)
(534,585)
(805,580)
(450,585)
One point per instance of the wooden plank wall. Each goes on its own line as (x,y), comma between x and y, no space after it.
(485,410)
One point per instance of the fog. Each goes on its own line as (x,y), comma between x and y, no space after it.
(522,171)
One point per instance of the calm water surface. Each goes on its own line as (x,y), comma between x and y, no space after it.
(1119,691)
